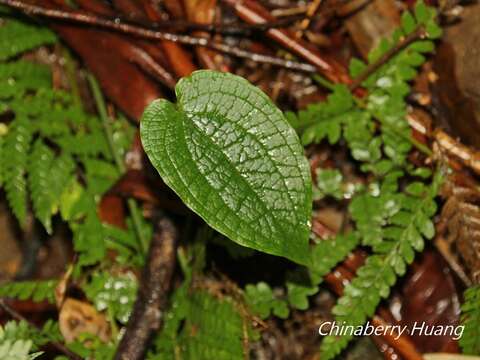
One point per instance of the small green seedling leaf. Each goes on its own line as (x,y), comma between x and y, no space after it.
(232,157)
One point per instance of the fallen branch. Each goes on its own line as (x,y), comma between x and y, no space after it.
(148,311)
(81,17)
(18,317)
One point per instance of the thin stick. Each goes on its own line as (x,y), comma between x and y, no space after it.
(132,205)
(145,33)
(418,34)
(148,311)
(222,28)
(312,8)
(18,317)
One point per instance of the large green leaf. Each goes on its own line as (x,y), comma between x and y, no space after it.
(232,157)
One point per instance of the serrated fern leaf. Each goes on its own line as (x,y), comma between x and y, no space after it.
(48,177)
(21,330)
(323,120)
(40,180)
(328,253)
(14,166)
(17,350)
(470,341)
(401,233)
(18,36)
(113,292)
(191,332)
(34,290)
(299,288)
(88,236)
(17,77)
(263,302)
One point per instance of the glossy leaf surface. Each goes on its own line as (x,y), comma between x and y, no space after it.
(232,157)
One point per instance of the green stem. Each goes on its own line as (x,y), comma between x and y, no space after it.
(132,205)
(113,322)
(324,82)
(421,147)
(72,77)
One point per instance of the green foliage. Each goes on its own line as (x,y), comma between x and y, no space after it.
(200,326)
(56,161)
(89,346)
(17,350)
(328,253)
(299,288)
(19,36)
(38,290)
(49,143)
(394,225)
(263,302)
(470,341)
(14,331)
(387,88)
(114,293)
(14,166)
(231,156)
(392,214)
(48,176)
(330,183)
(325,119)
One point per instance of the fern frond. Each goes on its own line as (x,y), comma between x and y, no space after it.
(328,253)
(88,236)
(40,183)
(21,330)
(34,290)
(263,302)
(113,292)
(202,336)
(17,350)
(48,177)
(86,144)
(401,234)
(323,120)
(470,341)
(19,76)
(14,166)
(387,88)
(17,37)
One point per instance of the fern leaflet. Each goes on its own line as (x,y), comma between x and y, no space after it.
(470,341)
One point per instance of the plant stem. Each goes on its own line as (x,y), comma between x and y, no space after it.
(421,147)
(71,76)
(418,34)
(132,205)
(324,82)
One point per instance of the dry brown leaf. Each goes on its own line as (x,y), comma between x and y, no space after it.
(78,317)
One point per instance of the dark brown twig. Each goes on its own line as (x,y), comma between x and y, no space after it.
(148,311)
(145,33)
(418,34)
(253,12)
(222,28)
(18,317)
